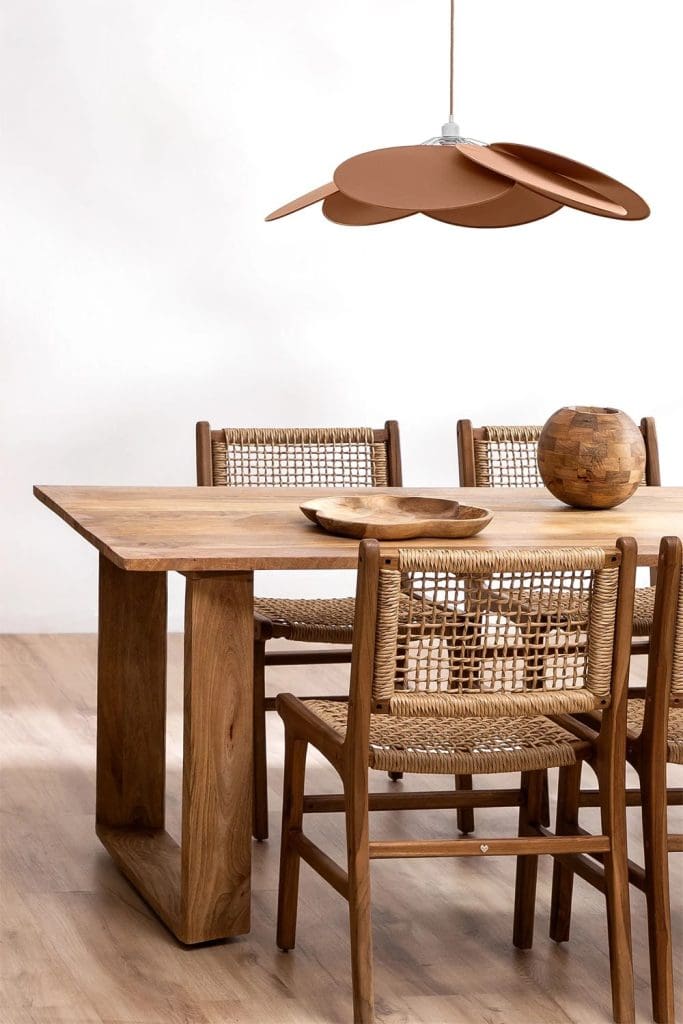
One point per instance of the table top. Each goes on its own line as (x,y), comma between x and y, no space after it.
(214,528)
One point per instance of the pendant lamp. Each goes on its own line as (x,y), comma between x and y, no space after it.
(471,184)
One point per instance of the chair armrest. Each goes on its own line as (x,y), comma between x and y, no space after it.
(304,724)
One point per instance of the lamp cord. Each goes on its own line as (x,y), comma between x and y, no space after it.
(452,79)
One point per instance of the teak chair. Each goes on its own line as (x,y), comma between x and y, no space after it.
(295,457)
(442,682)
(506,456)
(654,738)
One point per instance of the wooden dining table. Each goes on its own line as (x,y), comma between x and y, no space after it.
(217,538)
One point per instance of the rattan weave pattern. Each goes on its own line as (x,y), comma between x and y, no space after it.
(299,457)
(507,457)
(314,620)
(445,645)
(524,601)
(677,668)
(462,745)
(643,611)
(635,715)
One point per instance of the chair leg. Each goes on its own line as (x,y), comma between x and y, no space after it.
(568,790)
(260,822)
(537,670)
(545,806)
(465,815)
(292,818)
(655,832)
(530,812)
(613,816)
(360,922)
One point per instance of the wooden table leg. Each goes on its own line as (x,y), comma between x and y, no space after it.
(218,757)
(131,698)
(200,889)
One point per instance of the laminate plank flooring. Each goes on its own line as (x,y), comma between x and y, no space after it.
(80,947)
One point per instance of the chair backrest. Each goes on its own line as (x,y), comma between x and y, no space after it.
(298,456)
(506,456)
(513,633)
(677,659)
(665,662)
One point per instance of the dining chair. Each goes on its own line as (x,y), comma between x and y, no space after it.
(295,457)
(506,456)
(654,738)
(441,683)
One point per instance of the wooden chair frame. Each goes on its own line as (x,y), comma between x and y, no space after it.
(647,753)
(467,435)
(349,756)
(205,438)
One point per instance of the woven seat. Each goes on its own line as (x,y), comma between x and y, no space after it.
(325,621)
(636,715)
(452,745)
(443,683)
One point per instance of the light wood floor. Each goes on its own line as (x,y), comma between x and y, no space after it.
(80,946)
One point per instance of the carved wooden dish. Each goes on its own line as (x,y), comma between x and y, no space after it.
(389,517)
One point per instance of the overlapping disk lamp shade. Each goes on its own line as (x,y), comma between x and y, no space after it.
(467,183)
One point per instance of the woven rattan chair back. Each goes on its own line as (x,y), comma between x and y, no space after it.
(445,646)
(665,669)
(677,666)
(506,456)
(655,740)
(298,456)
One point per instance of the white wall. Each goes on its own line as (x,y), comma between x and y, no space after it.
(141,146)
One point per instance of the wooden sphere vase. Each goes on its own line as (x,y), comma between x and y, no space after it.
(591,457)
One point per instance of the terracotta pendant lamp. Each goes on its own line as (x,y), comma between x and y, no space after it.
(467,183)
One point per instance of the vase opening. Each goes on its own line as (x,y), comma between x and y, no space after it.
(593,409)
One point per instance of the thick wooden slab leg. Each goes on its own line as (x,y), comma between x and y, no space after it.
(131,733)
(131,698)
(218,753)
(202,888)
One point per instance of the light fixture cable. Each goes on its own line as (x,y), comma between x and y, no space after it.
(451,130)
(464,182)
(451,109)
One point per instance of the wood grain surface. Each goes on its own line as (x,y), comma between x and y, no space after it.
(206,528)
(200,888)
(131,698)
(82,946)
(385,517)
(215,897)
(591,458)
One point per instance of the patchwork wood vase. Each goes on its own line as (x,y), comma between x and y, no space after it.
(591,457)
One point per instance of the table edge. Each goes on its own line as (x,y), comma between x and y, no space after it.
(256,563)
(103,548)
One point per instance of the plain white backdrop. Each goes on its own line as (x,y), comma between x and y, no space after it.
(141,145)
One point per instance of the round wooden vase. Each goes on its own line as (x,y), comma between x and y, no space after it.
(591,457)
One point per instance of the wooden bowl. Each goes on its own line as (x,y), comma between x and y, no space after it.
(591,457)
(390,517)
